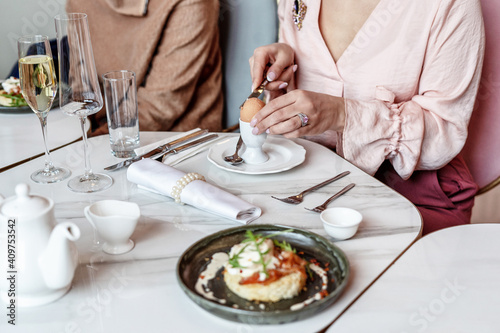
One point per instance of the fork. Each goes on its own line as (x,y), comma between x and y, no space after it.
(322,207)
(296,199)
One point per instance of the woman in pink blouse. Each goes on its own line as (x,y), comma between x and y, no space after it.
(390,84)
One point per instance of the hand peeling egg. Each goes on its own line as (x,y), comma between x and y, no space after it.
(250,108)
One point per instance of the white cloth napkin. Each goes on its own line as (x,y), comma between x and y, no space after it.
(158,177)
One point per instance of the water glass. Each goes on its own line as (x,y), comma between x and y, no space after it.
(120,95)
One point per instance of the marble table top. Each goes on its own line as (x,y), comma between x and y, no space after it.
(448,281)
(138,291)
(21,134)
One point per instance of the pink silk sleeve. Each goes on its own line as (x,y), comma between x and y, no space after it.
(430,129)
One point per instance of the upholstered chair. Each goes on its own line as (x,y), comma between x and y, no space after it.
(482,149)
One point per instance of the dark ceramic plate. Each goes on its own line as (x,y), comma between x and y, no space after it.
(25,109)
(195,259)
(15,109)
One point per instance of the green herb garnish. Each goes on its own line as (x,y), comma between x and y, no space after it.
(308,269)
(284,245)
(235,260)
(276,233)
(257,240)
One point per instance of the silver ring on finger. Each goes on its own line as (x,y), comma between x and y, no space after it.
(304,119)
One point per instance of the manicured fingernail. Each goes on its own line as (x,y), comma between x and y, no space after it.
(283,85)
(271,76)
(268,131)
(294,68)
(253,87)
(253,122)
(255,131)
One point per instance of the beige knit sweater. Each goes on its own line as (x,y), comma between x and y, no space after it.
(172,46)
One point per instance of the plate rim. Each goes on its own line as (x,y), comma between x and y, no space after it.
(16,109)
(294,144)
(263,315)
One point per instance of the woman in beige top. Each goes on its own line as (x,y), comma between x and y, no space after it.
(172,46)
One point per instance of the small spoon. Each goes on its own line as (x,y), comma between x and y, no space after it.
(235,159)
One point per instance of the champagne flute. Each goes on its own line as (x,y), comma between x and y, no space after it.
(39,87)
(79,91)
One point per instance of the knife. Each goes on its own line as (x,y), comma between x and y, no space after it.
(182,139)
(157,150)
(257,91)
(187,145)
(162,150)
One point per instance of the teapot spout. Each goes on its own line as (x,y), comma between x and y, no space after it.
(59,260)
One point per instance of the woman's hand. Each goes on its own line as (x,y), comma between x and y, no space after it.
(276,62)
(279,116)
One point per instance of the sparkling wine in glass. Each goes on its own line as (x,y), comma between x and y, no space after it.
(39,87)
(79,91)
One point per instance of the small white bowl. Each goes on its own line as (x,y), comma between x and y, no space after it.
(340,222)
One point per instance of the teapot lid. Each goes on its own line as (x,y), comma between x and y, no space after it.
(24,204)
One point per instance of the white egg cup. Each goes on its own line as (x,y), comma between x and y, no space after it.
(253,153)
(115,222)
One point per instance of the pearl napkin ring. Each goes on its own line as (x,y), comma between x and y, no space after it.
(181,183)
(304,119)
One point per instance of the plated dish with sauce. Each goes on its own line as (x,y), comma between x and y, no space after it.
(11,99)
(204,268)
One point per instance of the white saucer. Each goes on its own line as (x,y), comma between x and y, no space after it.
(284,154)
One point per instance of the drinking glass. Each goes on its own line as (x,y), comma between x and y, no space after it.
(120,96)
(79,91)
(39,88)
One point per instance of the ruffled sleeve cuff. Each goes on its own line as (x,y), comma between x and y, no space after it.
(381,129)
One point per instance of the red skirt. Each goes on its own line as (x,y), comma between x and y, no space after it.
(444,197)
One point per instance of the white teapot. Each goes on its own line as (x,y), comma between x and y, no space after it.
(41,252)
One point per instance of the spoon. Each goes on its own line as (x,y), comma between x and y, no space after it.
(235,159)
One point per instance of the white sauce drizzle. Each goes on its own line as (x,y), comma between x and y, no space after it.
(219,259)
(316,297)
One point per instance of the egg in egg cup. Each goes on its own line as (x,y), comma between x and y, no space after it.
(253,153)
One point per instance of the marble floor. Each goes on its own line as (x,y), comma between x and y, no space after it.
(487,207)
